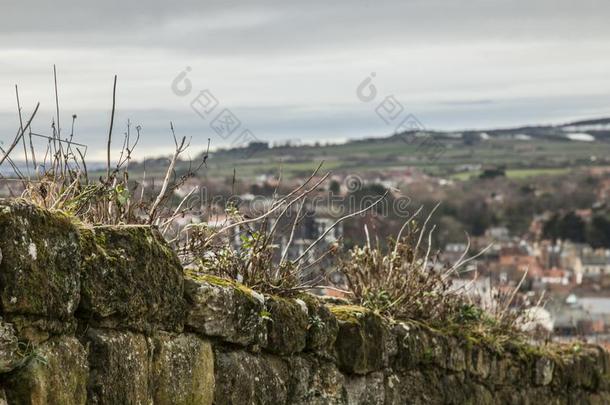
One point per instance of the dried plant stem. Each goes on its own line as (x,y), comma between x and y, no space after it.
(20,133)
(25,149)
(172,165)
(337,222)
(275,208)
(294,226)
(110,130)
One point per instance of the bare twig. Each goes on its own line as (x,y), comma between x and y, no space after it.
(19,135)
(25,150)
(294,226)
(57,112)
(110,130)
(180,147)
(337,222)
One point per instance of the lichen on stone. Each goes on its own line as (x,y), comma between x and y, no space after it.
(287,331)
(245,378)
(182,370)
(56,373)
(41,257)
(322,327)
(361,344)
(120,369)
(131,279)
(224,309)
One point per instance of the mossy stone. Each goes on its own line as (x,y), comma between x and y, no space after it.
(40,257)
(226,310)
(323,326)
(56,373)
(543,370)
(287,326)
(245,378)
(10,353)
(360,346)
(182,370)
(120,367)
(480,363)
(414,346)
(368,389)
(131,279)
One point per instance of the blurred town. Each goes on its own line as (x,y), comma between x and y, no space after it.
(532,204)
(545,236)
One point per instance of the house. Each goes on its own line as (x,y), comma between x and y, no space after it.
(581,316)
(592,264)
(499,233)
(555,276)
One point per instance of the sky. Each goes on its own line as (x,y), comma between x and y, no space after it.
(291,71)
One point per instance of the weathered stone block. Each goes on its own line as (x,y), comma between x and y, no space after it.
(315,381)
(501,369)
(480,363)
(322,329)
(224,309)
(39,261)
(543,371)
(456,355)
(10,354)
(182,370)
(437,352)
(56,372)
(583,369)
(120,368)
(414,346)
(131,279)
(361,340)
(244,378)
(367,389)
(287,326)
(327,385)
(413,387)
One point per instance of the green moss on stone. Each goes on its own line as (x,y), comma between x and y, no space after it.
(41,257)
(361,340)
(225,309)
(287,331)
(348,313)
(322,326)
(56,374)
(131,279)
(197,275)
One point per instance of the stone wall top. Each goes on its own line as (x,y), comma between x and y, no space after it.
(114,308)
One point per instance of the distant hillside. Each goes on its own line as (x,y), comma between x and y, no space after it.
(525,149)
(598,129)
(519,149)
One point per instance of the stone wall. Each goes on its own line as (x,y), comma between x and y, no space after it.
(106,315)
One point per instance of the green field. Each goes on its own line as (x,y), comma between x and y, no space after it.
(521,159)
(516,173)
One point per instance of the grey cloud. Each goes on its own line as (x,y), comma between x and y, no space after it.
(280,26)
(508,78)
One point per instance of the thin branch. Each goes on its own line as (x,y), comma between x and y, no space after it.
(19,134)
(271,211)
(294,226)
(110,130)
(162,194)
(25,150)
(335,224)
(421,234)
(57,109)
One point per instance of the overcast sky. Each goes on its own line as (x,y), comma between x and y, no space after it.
(290,70)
